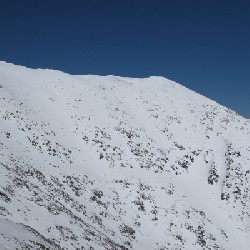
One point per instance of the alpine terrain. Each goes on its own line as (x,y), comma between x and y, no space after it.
(107,162)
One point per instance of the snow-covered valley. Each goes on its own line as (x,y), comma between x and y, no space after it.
(107,162)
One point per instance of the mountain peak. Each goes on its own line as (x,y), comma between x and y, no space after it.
(109,162)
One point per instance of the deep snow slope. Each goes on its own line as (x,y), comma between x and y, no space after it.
(105,162)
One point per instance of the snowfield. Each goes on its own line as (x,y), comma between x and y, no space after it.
(107,162)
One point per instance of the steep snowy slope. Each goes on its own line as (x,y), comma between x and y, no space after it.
(94,162)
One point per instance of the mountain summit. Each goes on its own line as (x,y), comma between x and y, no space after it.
(107,162)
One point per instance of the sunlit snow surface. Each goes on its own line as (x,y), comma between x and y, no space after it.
(119,163)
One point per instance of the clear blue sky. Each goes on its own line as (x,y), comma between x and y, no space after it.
(204,45)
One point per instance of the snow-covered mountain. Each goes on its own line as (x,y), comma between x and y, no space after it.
(106,162)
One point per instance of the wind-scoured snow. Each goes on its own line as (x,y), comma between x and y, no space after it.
(107,162)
